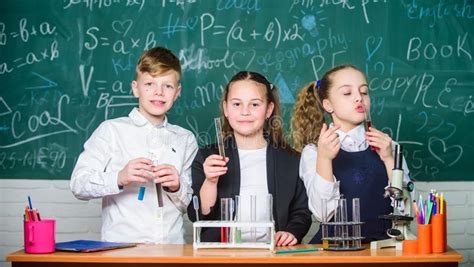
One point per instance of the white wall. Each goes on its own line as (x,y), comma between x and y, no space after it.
(77,219)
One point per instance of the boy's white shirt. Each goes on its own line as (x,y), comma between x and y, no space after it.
(124,218)
(317,187)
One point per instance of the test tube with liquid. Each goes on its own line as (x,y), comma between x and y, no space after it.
(156,144)
(220,138)
(368,122)
(324,220)
(159,193)
(226,213)
(356,218)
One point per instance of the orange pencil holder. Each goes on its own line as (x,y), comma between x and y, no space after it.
(410,247)
(439,235)
(424,239)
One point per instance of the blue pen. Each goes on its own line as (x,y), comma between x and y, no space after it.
(29,202)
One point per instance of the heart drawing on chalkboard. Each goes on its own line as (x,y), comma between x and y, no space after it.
(122,27)
(439,151)
(372,44)
(243,59)
(192,22)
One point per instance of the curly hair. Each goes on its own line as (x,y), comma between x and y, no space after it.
(308,117)
(308,111)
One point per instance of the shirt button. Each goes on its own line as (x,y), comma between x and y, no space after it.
(159,213)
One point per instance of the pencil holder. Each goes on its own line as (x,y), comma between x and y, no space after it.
(438,236)
(410,247)
(424,238)
(39,236)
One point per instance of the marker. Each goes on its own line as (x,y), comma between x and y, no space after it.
(428,213)
(441,204)
(29,202)
(281,251)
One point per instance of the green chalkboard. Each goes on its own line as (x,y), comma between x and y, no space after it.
(66,66)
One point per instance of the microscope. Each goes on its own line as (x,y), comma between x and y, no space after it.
(401,215)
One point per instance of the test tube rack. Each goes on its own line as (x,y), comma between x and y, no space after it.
(233,226)
(347,243)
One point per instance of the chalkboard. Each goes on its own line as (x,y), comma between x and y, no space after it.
(66,66)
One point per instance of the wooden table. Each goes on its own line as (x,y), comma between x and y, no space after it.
(177,255)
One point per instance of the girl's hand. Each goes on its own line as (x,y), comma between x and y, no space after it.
(214,166)
(328,142)
(137,170)
(166,175)
(283,238)
(382,142)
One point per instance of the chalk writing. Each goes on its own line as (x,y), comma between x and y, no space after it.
(66,66)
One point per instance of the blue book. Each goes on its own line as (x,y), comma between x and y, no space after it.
(90,245)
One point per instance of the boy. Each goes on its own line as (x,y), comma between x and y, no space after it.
(117,160)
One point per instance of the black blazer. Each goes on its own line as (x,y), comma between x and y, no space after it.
(290,202)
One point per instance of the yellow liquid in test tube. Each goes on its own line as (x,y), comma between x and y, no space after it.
(325,244)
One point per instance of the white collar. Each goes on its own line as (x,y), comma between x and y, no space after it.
(139,120)
(355,135)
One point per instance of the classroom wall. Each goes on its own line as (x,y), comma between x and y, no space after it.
(77,219)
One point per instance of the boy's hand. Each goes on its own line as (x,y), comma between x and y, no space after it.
(283,238)
(328,142)
(214,166)
(136,171)
(166,175)
(382,142)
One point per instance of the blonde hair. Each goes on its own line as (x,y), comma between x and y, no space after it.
(308,111)
(157,61)
(273,129)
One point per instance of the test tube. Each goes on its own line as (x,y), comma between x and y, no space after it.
(220,139)
(141,193)
(337,220)
(356,218)
(269,218)
(368,122)
(226,211)
(324,220)
(159,193)
(253,217)
(269,207)
(196,206)
(238,218)
(196,209)
(155,142)
(344,228)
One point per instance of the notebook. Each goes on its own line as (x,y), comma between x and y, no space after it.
(90,245)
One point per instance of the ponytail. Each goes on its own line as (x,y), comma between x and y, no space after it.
(308,117)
